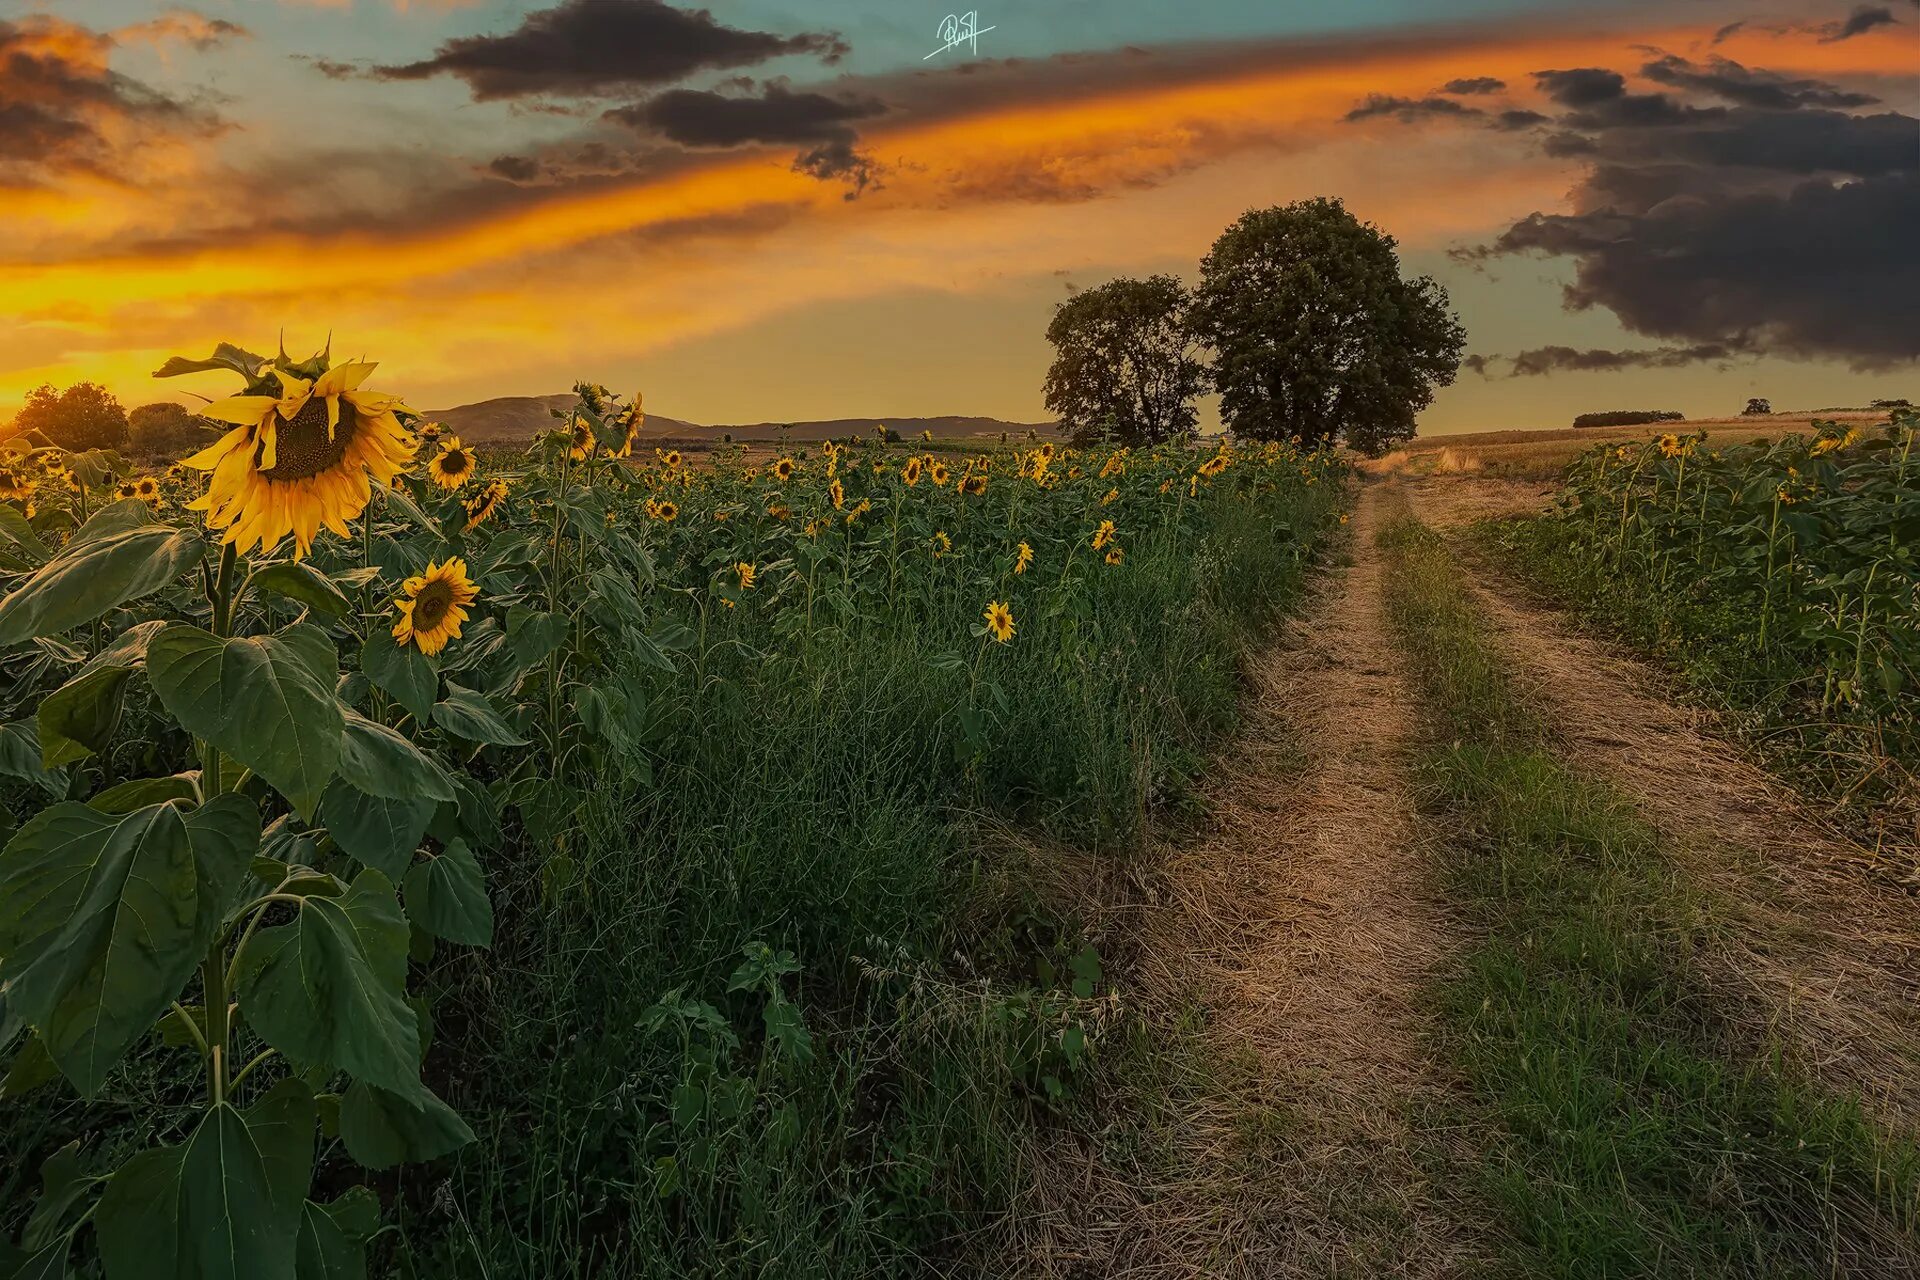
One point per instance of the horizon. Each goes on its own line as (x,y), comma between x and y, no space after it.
(754,218)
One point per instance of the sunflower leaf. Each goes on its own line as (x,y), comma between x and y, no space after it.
(379,831)
(267,701)
(225,356)
(104,916)
(401,672)
(381,762)
(80,717)
(93,575)
(469,715)
(328,989)
(299,581)
(382,1129)
(141,792)
(224,1205)
(20,758)
(447,896)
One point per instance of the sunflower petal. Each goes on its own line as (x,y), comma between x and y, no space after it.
(245,411)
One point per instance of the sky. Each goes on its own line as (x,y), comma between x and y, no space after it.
(761,211)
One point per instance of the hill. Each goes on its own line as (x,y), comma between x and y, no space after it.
(509,418)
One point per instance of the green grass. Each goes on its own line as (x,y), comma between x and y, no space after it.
(1626,1131)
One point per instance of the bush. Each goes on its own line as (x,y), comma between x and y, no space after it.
(1628,417)
(1757,408)
(166,429)
(82,417)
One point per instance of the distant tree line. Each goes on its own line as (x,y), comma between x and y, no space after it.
(87,416)
(1628,417)
(1301,321)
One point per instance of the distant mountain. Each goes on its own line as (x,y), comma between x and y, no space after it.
(510,418)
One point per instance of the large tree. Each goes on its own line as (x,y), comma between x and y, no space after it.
(1125,361)
(84,416)
(1314,332)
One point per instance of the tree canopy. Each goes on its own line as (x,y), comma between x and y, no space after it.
(84,416)
(1125,361)
(1315,333)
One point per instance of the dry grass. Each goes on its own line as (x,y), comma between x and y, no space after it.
(1305,925)
(1542,455)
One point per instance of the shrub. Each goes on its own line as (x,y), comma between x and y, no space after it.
(1628,417)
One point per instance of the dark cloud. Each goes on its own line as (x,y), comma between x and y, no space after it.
(1474,85)
(587,48)
(1728,80)
(1728,31)
(1582,86)
(1863,19)
(695,118)
(521,169)
(331,68)
(63,109)
(1409,110)
(1518,118)
(839,160)
(1537,362)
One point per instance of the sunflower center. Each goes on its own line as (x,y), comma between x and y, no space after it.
(454,461)
(301,447)
(430,607)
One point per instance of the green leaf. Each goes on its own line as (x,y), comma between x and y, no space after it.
(20,758)
(328,989)
(224,1206)
(267,701)
(49,1263)
(383,1129)
(534,635)
(447,896)
(380,832)
(325,1251)
(30,1068)
(469,715)
(91,576)
(299,581)
(15,531)
(225,356)
(381,762)
(104,916)
(141,792)
(402,673)
(63,1179)
(82,715)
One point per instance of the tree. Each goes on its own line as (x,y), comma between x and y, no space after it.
(1125,359)
(1315,334)
(1757,408)
(166,429)
(84,416)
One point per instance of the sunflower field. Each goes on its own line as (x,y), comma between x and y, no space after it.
(423,862)
(1783,577)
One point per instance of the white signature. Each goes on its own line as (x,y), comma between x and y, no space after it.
(958,29)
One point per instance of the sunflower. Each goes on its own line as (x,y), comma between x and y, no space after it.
(147,489)
(582,442)
(938,474)
(941,543)
(911,472)
(859,509)
(1104,534)
(1022,558)
(664,511)
(434,606)
(999,620)
(783,470)
(672,459)
(454,465)
(1670,446)
(1111,494)
(126,490)
(745,569)
(636,418)
(1214,466)
(779,512)
(482,505)
(13,484)
(296,462)
(838,493)
(974,485)
(1115,555)
(926,434)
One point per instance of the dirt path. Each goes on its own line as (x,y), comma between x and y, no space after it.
(1819,952)
(1305,925)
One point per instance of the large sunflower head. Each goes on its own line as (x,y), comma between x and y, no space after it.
(433,606)
(1104,534)
(14,484)
(911,472)
(783,470)
(938,472)
(300,460)
(454,465)
(975,484)
(147,489)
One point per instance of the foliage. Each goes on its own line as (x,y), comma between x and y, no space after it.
(1781,576)
(164,429)
(84,416)
(1757,408)
(264,814)
(1314,332)
(1125,365)
(1627,417)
